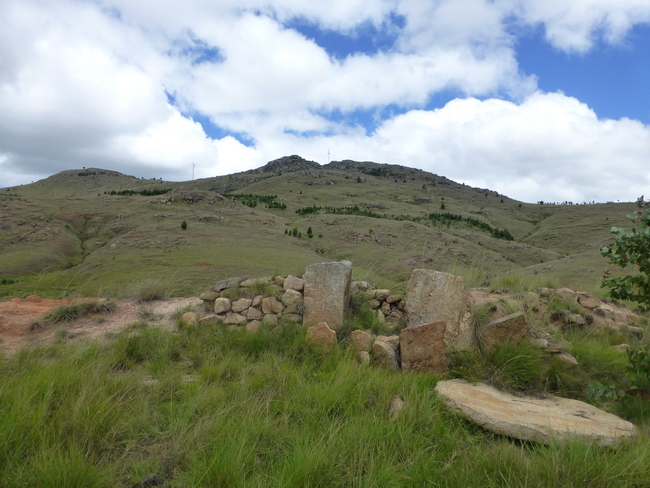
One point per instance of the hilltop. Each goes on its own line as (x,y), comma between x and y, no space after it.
(96,231)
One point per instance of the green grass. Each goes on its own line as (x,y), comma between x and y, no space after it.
(211,407)
(74,311)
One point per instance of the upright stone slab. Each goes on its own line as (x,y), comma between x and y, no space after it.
(327,293)
(433,296)
(422,348)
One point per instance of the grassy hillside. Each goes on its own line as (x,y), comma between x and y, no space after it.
(77,233)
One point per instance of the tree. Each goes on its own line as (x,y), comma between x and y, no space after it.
(631,249)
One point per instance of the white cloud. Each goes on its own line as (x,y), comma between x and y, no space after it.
(84,83)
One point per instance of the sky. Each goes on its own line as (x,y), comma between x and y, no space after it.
(536,99)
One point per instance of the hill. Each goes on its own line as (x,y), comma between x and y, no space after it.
(99,232)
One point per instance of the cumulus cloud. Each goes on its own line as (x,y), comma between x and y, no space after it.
(119,83)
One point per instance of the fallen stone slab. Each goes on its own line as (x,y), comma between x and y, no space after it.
(533,419)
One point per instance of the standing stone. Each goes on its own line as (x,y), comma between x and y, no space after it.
(361,340)
(327,293)
(321,337)
(422,348)
(511,328)
(221,305)
(385,355)
(433,296)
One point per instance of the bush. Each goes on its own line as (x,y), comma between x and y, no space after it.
(183,225)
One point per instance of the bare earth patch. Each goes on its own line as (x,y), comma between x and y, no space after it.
(22,321)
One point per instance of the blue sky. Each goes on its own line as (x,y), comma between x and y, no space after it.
(536,99)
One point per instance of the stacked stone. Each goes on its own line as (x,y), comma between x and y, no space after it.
(286,302)
(390,308)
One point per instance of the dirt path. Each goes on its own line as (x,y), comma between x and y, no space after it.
(22,320)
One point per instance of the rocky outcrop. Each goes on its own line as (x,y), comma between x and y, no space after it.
(433,296)
(533,419)
(327,293)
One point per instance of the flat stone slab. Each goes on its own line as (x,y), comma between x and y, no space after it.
(533,419)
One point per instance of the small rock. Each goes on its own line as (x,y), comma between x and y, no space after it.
(621,347)
(271,319)
(272,305)
(293,283)
(361,340)
(209,296)
(575,319)
(221,305)
(321,337)
(291,297)
(393,299)
(235,318)
(212,319)
(225,284)
(392,340)
(279,280)
(385,355)
(254,314)
(363,357)
(382,295)
(253,326)
(241,305)
(189,318)
(395,406)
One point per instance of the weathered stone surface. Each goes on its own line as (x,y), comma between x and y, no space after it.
(359,286)
(327,293)
(364,358)
(253,326)
(212,319)
(539,420)
(241,305)
(511,328)
(221,305)
(382,295)
(256,282)
(293,283)
(272,305)
(575,319)
(254,314)
(384,355)
(395,406)
(422,348)
(225,284)
(293,317)
(433,296)
(588,301)
(209,296)
(189,318)
(271,319)
(361,340)
(235,318)
(392,340)
(291,297)
(321,336)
